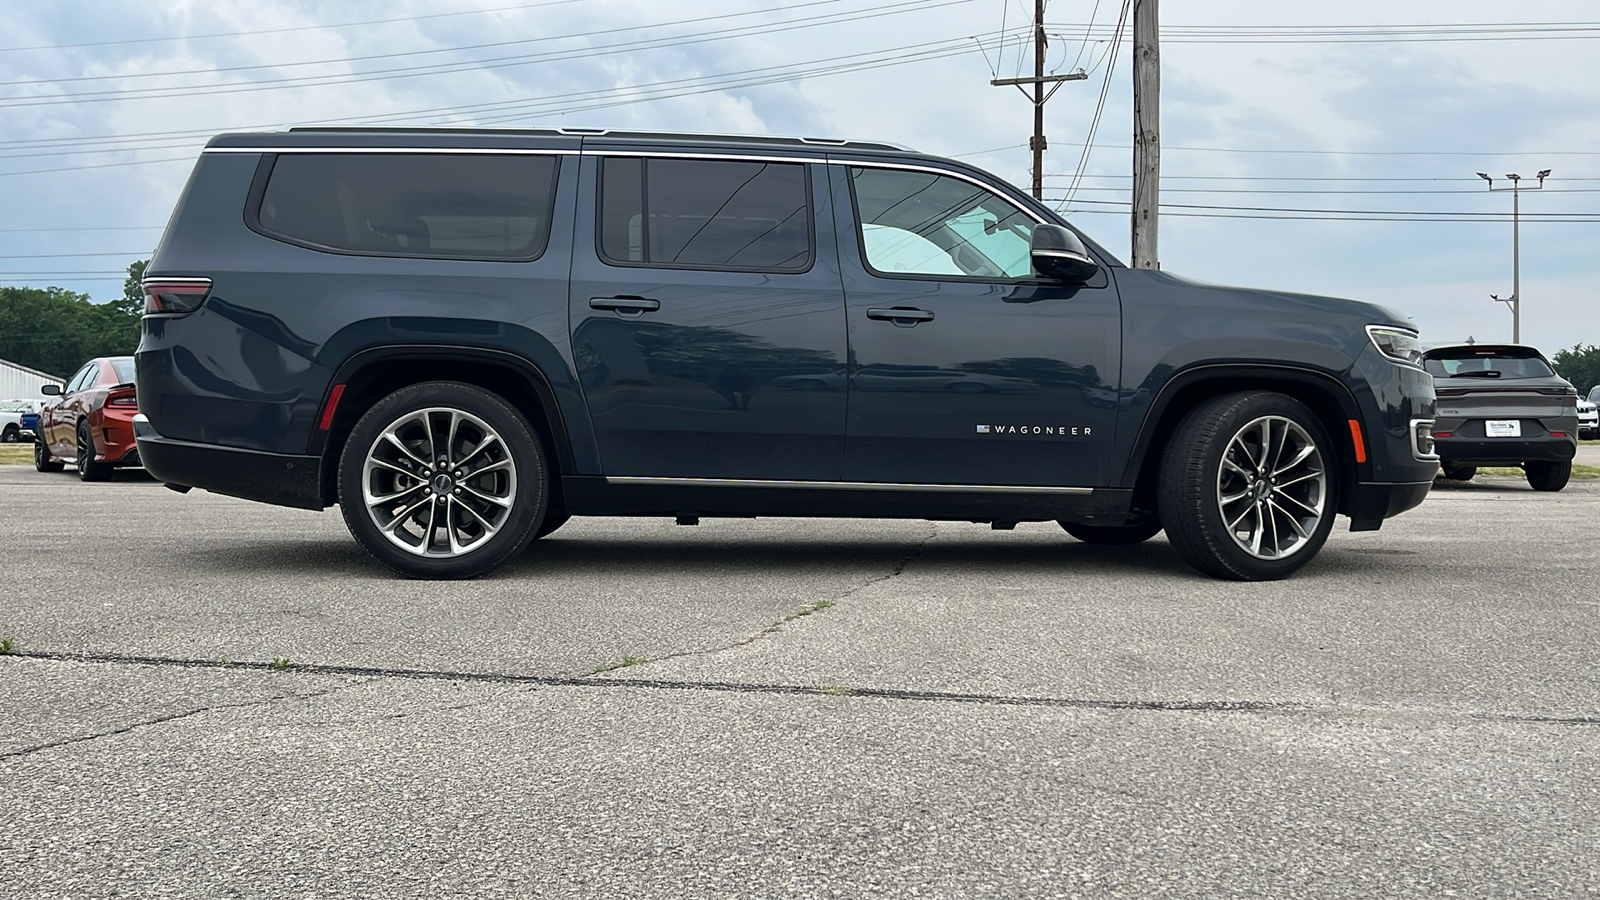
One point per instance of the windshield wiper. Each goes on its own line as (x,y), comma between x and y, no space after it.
(1484,373)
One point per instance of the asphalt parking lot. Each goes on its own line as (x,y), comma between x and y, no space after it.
(208,697)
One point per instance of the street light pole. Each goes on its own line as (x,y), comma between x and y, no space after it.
(1515,300)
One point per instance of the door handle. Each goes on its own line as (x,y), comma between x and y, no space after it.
(901,316)
(627,306)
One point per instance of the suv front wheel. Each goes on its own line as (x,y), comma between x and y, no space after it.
(443,480)
(1247,486)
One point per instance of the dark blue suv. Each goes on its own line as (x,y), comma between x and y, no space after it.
(464,337)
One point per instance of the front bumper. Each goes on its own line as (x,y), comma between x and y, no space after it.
(276,478)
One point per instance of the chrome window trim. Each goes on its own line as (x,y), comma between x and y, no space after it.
(948,173)
(718,155)
(488,151)
(849,485)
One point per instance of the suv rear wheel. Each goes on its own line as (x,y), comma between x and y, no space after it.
(1136,532)
(443,480)
(1247,486)
(1548,476)
(1459,472)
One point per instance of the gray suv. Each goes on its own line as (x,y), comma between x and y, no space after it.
(1503,405)
(464,337)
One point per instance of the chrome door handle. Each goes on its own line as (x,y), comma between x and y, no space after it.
(628,306)
(901,316)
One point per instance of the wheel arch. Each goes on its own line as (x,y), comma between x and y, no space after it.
(1327,398)
(370,375)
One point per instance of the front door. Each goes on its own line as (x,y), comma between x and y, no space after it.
(966,368)
(708,331)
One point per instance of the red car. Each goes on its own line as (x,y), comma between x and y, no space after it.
(90,422)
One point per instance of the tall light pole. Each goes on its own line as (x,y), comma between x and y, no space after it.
(1515,300)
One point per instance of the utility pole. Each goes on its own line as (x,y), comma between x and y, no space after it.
(1146,133)
(1040,96)
(1515,300)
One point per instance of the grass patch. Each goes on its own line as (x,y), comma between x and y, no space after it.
(280,662)
(16,454)
(6,644)
(1514,472)
(626,662)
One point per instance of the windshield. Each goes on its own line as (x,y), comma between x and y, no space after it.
(1487,362)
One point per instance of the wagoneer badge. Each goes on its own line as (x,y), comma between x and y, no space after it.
(1058,430)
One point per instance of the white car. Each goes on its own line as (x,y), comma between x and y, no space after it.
(1588,420)
(12,427)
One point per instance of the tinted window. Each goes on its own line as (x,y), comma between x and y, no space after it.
(917,223)
(81,380)
(124,369)
(473,206)
(705,214)
(1487,362)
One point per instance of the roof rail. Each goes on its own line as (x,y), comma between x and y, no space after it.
(605,132)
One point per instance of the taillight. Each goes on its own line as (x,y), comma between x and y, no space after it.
(174,296)
(125,399)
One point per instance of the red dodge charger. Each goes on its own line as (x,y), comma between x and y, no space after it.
(90,422)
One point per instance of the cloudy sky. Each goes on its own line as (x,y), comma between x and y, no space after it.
(1316,147)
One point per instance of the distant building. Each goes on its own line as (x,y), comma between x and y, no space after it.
(22,383)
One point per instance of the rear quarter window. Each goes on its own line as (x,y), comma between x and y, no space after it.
(434,205)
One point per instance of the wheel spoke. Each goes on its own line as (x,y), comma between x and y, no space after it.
(504,502)
(390,436)
(404,514)
(390,498)
(1299,458)
(489,528)
(1294,523)
(1232,466)
(1310,510)
(483,445)
(1226,499)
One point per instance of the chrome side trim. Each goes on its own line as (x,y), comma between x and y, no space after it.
(491,151)
(851,485)
(708,154)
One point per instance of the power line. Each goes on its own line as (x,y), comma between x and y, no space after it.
(411,71)
(1105,87)
(261,31)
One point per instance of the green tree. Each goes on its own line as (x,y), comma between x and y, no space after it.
(55,330)
(1579,365)
(132,300)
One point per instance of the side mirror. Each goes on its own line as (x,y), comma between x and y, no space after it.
(50,390)
(1058,253)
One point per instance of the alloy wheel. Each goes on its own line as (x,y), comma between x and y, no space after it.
(1272,487)
(439,482)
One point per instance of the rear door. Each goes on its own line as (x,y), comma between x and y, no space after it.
(707,327)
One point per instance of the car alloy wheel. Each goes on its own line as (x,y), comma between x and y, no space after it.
(439,482)
(1272,487)
(443,480)
(1247,486)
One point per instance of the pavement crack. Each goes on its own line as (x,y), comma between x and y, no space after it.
(1174,705)
(775,627)
(158,720)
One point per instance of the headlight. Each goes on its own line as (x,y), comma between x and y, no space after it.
(1399,344)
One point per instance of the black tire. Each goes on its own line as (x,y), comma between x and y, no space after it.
(1114,535)
(553,519)
(1548,476)
(42,461)
(498,505)
(11,435)
(89,468)
(1195,486)
(1457,472)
